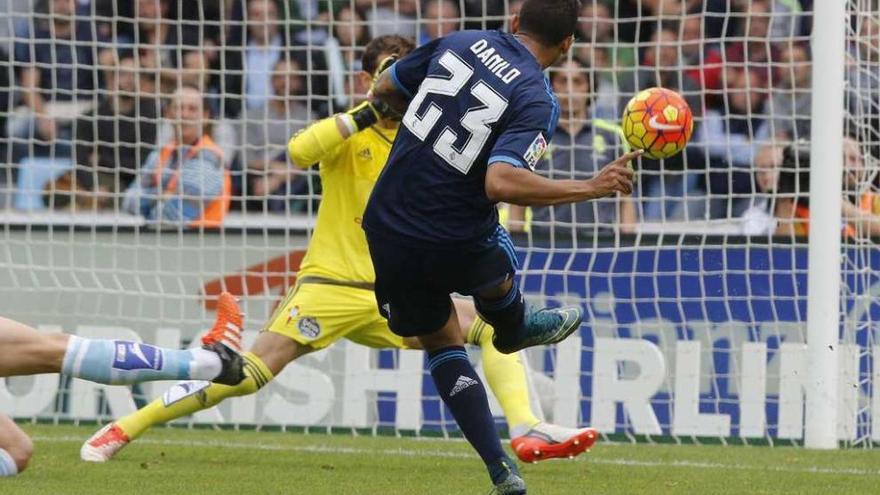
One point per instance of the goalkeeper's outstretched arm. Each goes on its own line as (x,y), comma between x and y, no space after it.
(317,141)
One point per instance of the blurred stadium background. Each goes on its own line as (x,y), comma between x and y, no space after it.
(695,288)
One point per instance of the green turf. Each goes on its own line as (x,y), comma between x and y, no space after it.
(176,461)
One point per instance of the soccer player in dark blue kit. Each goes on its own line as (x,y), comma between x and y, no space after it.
(478,114)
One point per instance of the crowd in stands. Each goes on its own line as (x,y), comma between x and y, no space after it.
(178,111)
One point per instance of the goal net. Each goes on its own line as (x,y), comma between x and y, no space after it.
(694,288)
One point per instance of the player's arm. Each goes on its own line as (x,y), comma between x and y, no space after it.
(510,177)
(509,183)
(317,141)
(320,139)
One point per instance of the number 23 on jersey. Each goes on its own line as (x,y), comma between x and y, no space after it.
(475,121)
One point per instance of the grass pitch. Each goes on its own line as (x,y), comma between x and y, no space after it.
(174,461)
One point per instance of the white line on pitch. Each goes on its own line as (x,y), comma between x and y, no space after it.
(401,452)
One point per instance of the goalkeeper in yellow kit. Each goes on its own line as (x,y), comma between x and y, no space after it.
(333,297)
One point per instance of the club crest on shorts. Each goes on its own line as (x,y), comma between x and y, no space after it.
(309,327)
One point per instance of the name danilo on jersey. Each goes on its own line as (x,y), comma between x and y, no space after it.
(494,62)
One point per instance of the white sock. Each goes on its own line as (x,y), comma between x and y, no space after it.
(519,430)
(8,467)
(205,364)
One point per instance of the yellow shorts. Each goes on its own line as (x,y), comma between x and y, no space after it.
(318,315)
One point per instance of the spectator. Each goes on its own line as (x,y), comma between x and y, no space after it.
(581,146)
(390,16)
(649,16)
(731,137)
(662,66)
(167,47)
(58,75)
(267,131)
(16,15)
(484,14)
(608,56)
(248,67)
(790,101)
(342,55)
(439,18)
(668,189)
(702,59)
(863,79)
(787,19)
(753,50)
(185,181)
(112,142)
(789,214)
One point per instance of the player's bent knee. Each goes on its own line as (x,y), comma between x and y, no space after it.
(497,292)
(38,353)
(21,452)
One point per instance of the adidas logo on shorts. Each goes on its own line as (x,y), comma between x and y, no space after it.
(462,383)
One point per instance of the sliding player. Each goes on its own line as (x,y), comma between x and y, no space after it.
(333,298)
(25,351)
(478,114)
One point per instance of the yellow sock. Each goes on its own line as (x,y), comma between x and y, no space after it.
(506,376)
(178,401)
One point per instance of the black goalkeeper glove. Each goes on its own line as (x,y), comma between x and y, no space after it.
(364,115)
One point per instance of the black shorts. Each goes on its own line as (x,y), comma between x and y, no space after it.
(413,284)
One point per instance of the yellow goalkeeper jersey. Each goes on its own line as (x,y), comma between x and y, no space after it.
(338,249)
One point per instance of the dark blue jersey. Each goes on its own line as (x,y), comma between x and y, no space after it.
(478,97)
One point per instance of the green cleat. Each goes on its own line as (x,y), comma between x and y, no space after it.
(512,485)
(543,327)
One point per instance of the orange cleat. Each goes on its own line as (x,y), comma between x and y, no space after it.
(549,441)
(228,325)
(104,444)
(224,339)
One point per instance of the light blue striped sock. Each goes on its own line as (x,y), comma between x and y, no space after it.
(7,464)
(121,362)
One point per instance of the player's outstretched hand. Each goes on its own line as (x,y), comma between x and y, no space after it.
(617,176)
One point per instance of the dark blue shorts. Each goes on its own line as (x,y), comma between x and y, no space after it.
(413,284)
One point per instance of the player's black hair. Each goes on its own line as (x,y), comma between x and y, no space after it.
(549,21)
(391,44)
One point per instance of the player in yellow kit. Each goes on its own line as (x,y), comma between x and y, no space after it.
(333,297)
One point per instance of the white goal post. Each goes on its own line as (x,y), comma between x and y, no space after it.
(826,184)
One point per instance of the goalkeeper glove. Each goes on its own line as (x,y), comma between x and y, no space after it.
(363,116)
(368,113)
(383,66)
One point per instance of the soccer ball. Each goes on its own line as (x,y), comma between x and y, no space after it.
(659,121)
